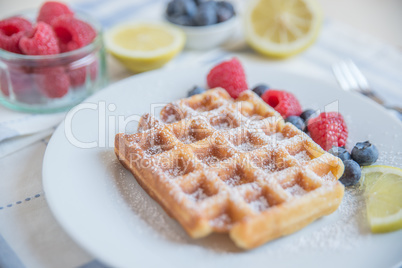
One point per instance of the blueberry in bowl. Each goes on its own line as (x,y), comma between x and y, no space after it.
(207,23)
(181,12)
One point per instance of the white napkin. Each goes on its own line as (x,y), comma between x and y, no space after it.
(17,143)
(18,130)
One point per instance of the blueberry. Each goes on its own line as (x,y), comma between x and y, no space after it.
(199,2)
(206,14)
(171,9)
(352,173)
(225,11)
(296,121)
(181,20)
(196,90)
(365,153)
(177,8)
(260,89)
(306,114)
(340,152)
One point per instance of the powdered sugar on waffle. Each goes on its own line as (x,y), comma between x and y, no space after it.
(222,125)
(156,149)
(198,195)
(174,172)
(233,181)
(302,157)
(246,147)
(329,177)
(188,139)
(259,204)
(295,190)
(210,160)
(269,167)
(274,138)
(221,221)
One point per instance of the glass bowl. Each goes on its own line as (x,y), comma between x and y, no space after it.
(52,83)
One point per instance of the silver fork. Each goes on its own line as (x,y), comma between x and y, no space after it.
(350,78)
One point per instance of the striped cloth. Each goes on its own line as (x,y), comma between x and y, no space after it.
(31,237)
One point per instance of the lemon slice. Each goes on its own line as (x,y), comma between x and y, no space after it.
(144,46)
(383,191)
(280,28)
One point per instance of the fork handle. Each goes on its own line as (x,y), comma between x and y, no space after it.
(374,97)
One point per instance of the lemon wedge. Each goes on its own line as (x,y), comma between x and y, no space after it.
(144,46)
(282,28)
(383,191)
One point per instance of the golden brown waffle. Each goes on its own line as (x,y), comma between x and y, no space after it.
(219,165)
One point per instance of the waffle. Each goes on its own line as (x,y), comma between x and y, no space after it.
(221,165)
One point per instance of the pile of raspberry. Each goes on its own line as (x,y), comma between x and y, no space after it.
(55,31)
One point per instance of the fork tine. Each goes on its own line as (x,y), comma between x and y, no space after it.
(360,78)
(351,80)
(340,77)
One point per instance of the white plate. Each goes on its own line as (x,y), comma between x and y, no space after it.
(102,207)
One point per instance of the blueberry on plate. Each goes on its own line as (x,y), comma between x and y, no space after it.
(307,114)
(260,89)
(196,90)
(340,152)
(352,173)
(225,11)
(206,14)
(365,153)
(296,121)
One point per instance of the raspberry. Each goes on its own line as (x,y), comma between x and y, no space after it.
(11,31)
(4,84)
(79,76)
(51,10)
(21,81)
(283,102)
(328,129)
(72,33)
(230,76)
(52,82)
(41,41)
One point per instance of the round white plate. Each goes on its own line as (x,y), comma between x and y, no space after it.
(103,208)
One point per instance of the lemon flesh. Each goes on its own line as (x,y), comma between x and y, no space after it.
(282,28)
(144,46)
(383,191)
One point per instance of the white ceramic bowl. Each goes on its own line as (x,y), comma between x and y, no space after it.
(207,37)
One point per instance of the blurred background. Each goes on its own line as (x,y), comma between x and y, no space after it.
(377,20)
(380,18)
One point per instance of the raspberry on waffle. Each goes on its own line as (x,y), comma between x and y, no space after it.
(221,165)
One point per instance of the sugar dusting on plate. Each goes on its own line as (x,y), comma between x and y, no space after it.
(347,230)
